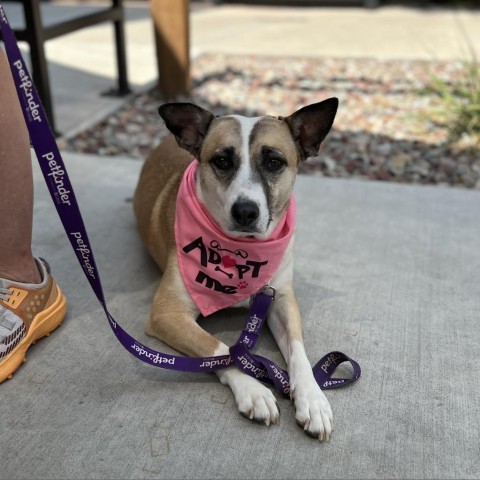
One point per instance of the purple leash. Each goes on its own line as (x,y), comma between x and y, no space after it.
(63,196)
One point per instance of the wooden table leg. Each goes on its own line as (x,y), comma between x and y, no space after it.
(171,21)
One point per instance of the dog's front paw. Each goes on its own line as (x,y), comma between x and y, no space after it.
(313,411)
(254,400)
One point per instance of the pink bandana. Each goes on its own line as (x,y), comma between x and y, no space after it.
(217,270)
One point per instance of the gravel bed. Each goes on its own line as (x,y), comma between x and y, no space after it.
(387,127)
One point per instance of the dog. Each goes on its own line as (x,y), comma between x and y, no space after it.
(241,175)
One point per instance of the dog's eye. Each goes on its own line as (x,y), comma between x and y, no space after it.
(274,163)
(272,159)
(222,162)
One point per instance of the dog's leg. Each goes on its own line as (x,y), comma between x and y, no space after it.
(254,400)
(313,411)
(173,320)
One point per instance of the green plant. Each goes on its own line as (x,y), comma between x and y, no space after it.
(461,100)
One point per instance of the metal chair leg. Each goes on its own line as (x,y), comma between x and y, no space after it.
(35,39)
(119,26)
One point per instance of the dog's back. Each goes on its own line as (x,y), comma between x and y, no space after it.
(155,197)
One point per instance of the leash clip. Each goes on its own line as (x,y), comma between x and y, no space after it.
(269,290)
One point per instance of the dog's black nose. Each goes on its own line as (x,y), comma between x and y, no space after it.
(245,212)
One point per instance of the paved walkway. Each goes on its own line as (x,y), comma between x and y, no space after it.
(387,273)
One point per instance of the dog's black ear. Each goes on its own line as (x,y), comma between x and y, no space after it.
(188,122)
(310,125)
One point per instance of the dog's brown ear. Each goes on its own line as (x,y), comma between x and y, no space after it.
(310,125)
(188,122)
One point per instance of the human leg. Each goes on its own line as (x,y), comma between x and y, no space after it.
(31,304)
(16,186)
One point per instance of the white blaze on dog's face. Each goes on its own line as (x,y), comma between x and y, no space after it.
(247,172)
(247,165)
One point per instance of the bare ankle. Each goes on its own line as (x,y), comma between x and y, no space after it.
(22,272)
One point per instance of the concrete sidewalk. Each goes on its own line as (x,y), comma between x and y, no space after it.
(387,273)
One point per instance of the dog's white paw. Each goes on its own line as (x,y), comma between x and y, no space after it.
(313,411)
(254,400)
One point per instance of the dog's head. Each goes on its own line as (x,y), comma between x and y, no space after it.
(247,165)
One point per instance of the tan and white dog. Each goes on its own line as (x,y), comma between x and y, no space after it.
(245,178)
